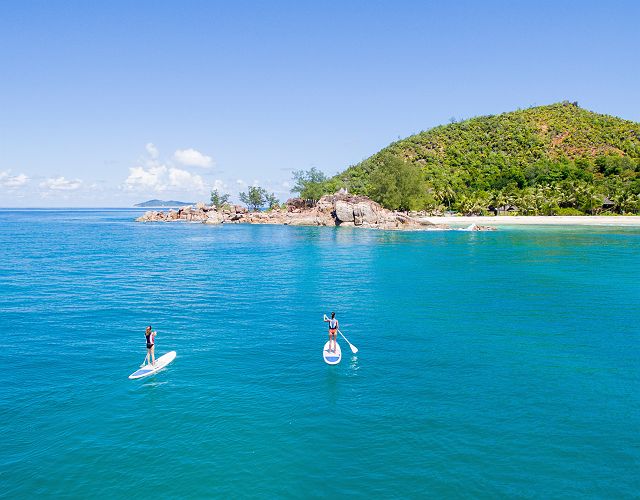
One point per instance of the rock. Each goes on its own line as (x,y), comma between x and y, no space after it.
(344,211)
(339,209)
(294,204)
(364,213)
(214,217)
(325,204)
(302,221)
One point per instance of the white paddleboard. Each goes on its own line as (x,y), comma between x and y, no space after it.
(149,369)
(331,357)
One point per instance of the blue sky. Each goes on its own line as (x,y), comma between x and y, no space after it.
(112,103)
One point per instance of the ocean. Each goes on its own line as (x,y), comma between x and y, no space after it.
(489,364)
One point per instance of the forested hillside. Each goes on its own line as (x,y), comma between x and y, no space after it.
(556,159)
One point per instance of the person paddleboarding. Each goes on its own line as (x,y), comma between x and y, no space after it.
(333,330)
(151,344)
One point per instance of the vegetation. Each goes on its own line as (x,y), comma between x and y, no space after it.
(557,159)
(256,198)
(272,201)
(312,184)
(219,200)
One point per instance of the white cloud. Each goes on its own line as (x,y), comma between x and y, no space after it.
(182,179)
(152,150)
(160,178)
(240,182)
(150,175)
(219,185)
(146,179)
(61,184)
(12,181)
(192,158)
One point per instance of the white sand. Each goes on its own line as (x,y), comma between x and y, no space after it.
(508,220)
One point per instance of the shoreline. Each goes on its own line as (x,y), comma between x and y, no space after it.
(537,220)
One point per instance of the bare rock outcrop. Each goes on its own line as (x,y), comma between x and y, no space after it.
(340,209)
(344,211)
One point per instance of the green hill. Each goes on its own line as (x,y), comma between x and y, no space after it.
(556,159)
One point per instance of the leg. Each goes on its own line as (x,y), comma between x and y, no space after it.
(153,354)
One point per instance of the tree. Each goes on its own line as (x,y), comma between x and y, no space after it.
(218,199)
(272,201)
(256,197)
(310,184)
(398,185)
(445,193)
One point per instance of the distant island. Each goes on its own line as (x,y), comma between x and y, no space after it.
(163,204)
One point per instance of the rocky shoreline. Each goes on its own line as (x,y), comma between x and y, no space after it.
(340,209)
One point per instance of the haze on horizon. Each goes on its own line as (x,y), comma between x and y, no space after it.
(114,104)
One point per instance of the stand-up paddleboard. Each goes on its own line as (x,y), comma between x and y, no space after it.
(331,357)
(150,369)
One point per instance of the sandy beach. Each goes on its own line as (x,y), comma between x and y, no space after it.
(537,220)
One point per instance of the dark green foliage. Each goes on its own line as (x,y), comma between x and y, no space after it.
(256,198)
(542,160)
(398,184)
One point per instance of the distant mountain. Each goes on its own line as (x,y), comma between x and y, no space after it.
(163,204)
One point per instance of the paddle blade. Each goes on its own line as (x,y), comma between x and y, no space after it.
(354,349)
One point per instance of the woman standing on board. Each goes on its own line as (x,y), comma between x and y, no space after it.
(333,328)
(150,335)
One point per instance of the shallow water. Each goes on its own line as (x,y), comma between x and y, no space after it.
(490,364)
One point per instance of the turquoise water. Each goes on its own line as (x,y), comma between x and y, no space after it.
(489,365)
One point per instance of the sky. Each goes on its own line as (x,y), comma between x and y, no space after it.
(107,104)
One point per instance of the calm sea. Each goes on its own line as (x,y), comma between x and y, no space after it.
(497,364)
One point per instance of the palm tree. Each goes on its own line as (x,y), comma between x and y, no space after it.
(498,199)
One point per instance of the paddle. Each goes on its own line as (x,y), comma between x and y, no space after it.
(354,349)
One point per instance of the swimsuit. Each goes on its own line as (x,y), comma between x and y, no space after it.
(333,326)
(149,340)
